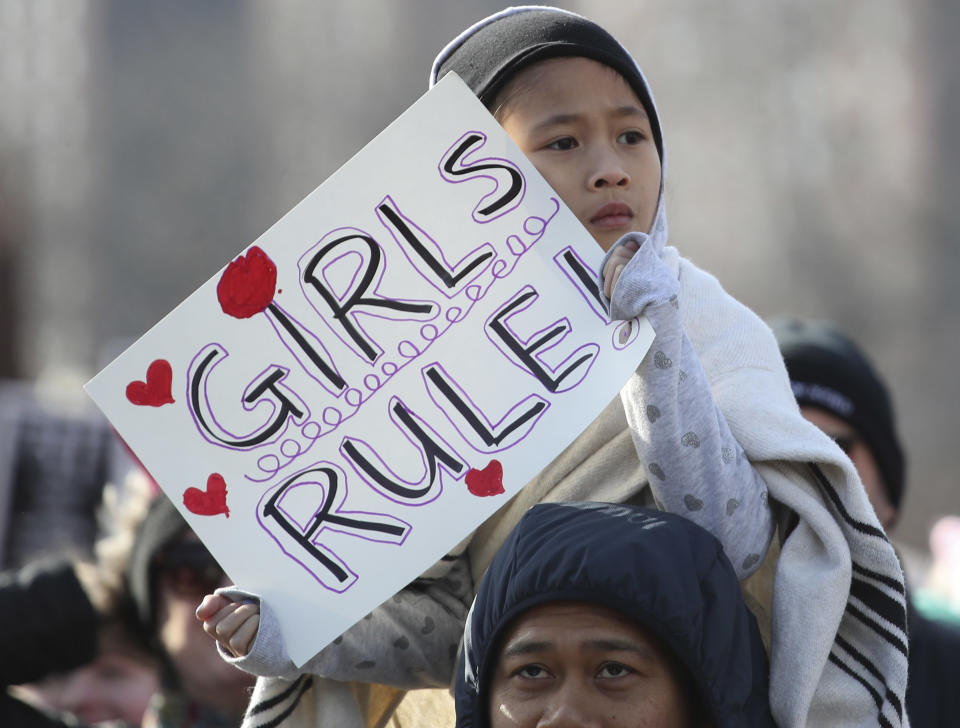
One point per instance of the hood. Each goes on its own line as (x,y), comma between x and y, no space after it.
(490,52)
(661,570)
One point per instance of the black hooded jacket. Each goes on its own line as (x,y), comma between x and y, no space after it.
(661,570)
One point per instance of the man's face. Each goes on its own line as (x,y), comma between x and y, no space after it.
(587,133)
(858,452)
(578,664)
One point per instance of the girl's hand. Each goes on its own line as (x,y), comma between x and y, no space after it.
(233,624)
(615,265)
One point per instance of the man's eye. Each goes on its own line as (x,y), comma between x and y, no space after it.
(563,144)
(630,137)
(613,669)
(532,671)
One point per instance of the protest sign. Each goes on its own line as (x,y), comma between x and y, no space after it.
(397,356)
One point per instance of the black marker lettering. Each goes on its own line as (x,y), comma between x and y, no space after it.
(357,298)
(405,231)
(453,166)
(375,527)
(525,352)
(584,278)
(431,451)
(508,430)
(268,386)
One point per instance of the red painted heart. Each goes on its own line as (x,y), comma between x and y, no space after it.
(488,481)
(156,390)
(209,502)
(248,284)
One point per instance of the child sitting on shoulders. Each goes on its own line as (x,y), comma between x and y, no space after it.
(706,427)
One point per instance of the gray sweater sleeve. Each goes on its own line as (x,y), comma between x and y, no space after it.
(410,641)
(695,466)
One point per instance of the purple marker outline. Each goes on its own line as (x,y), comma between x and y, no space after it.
(471,294)
(442,403)
(506,269)
(435,488)
(372,291)
(467,167)
(578,283)
(632,327)
(396,369)
(306,367)
(270,473)
(563,324)
(331,503)
(353,279)
(589,290)
(310,442)
(422,346)
(199,419)
(436,252)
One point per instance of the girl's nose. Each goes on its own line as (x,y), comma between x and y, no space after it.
(608,171)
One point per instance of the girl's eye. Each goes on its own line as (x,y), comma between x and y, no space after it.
(563,144)
(613,669)
(534,672)
(630,137)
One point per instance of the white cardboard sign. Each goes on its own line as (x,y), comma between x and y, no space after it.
(384,368)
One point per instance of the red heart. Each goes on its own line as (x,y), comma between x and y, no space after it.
(247,284)
(156,390)
(209,502)
(488,481)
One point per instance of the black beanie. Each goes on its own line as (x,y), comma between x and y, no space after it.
(491,52)
(828,371)
(162,525)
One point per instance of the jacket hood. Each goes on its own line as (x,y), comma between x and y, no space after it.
(661,570)
(490,52)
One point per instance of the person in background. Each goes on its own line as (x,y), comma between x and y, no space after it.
(50,625)
(115,686)
(69,630)
(169,572)
(54,463)
(840,391)
(939,597)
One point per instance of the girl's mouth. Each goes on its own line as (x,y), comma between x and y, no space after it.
(612,216)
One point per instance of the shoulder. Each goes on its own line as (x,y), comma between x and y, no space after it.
(724,332)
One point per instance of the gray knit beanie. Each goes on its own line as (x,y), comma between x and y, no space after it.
(491,52)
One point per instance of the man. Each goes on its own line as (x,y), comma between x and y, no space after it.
(613,615)
(840,391)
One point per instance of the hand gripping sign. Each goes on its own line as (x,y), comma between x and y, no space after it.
(395,358)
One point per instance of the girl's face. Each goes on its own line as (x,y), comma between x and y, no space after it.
(587,133)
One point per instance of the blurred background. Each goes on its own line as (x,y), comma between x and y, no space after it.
(813,165)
